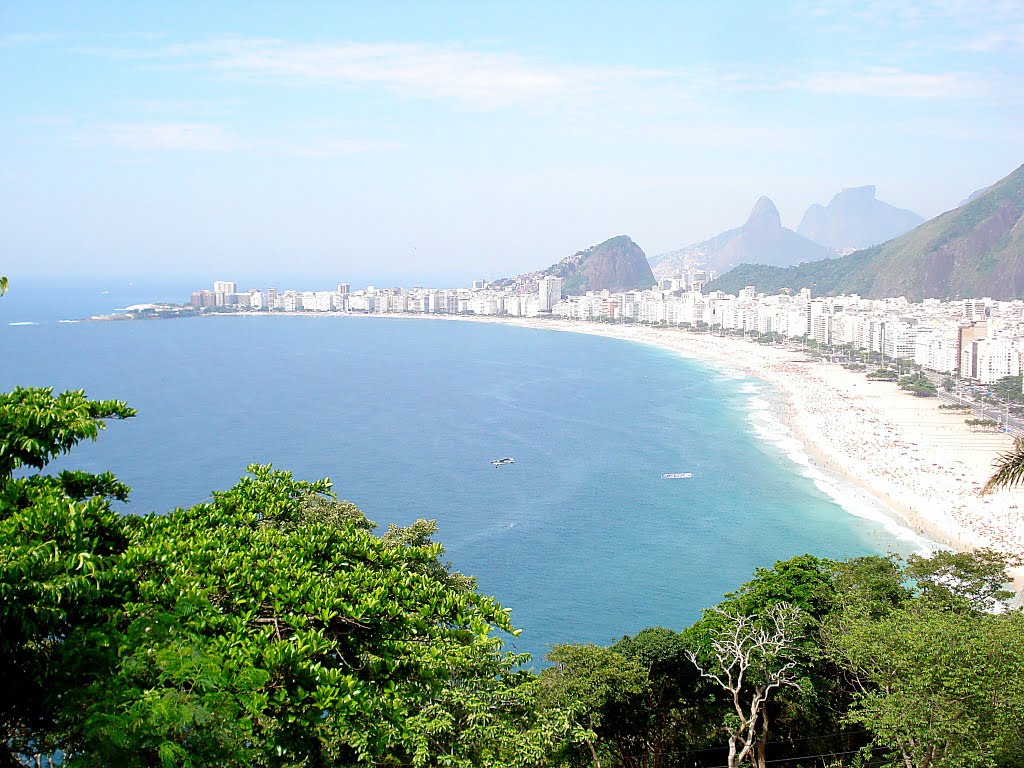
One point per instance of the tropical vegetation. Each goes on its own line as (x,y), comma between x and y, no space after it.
(273,626)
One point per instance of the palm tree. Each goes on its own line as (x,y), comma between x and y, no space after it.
(3,285)
(1009,469)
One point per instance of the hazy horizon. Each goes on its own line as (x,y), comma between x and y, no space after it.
(413,143)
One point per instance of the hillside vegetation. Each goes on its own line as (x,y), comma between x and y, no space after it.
(617,264)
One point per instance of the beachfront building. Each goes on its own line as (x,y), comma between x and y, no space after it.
(936,348)
(996,358)
(978,339)
(549,292)
(899,338)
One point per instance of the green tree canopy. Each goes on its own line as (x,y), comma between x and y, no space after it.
(259,638)
(59,582)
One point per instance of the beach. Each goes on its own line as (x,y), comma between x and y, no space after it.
(926,465)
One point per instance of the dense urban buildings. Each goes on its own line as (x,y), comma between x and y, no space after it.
(978,338)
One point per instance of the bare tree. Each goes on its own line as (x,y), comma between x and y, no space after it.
(750,657)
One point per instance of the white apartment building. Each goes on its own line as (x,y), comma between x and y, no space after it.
(550,292)
(899,339)
(998,358)
(936,348)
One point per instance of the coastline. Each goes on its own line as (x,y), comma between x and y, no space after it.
(922,464)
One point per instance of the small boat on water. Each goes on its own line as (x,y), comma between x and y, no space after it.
(676,475)
(502,462)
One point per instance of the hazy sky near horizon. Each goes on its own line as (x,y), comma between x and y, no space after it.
(437,142)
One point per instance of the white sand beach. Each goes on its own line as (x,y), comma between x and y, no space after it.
(921,462)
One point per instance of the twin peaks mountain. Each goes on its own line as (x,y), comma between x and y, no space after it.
(761,240)
(856,219)
(617,264)
(972,251)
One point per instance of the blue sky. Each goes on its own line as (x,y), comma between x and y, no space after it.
(437,142)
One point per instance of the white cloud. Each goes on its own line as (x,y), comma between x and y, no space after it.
(207,137)
(18,39)
(166,136)
(476,78)
(489,80)
(890,82)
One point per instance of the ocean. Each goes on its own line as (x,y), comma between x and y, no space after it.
(581,537)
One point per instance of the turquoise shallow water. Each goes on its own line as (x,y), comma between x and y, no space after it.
(581,537)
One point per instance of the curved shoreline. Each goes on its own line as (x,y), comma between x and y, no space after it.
(922,464)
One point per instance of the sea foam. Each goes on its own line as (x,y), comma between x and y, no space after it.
(854,500)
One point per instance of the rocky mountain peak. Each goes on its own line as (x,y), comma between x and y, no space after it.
(764,216)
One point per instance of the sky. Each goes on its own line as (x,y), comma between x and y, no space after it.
(436,143)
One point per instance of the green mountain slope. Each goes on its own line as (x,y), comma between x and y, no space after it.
(617,264)
(974,250)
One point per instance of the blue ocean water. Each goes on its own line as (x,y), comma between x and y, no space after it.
(581,537)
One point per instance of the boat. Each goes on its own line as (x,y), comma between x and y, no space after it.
(502,462)
(676,475)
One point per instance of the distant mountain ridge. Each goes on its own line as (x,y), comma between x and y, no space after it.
(617,264)
(761,240)
(974,250)
(856,219)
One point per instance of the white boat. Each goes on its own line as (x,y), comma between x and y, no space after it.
(502,462)
(676,475)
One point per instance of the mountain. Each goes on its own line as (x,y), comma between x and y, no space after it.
(617,264)
(972,251)
(973,196)
(761,240)
(856,219)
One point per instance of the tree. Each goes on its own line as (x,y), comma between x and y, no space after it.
(652,728)
(750,658)
(883,374)
(1009,469)
(937,688)
(3,285)
(36,426)
(260,638)
(963,582)
(268,627)
(59,581)
(584,682)
(935,673)
(918,385)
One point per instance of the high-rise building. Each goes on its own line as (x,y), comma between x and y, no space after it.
(550,290)
(343,289)
(223,286)
(271,300)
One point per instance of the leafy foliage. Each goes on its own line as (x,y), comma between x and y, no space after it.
(1009,469)
(919,385)
(275,641)
(36,426)
(272,627)
(59,581)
